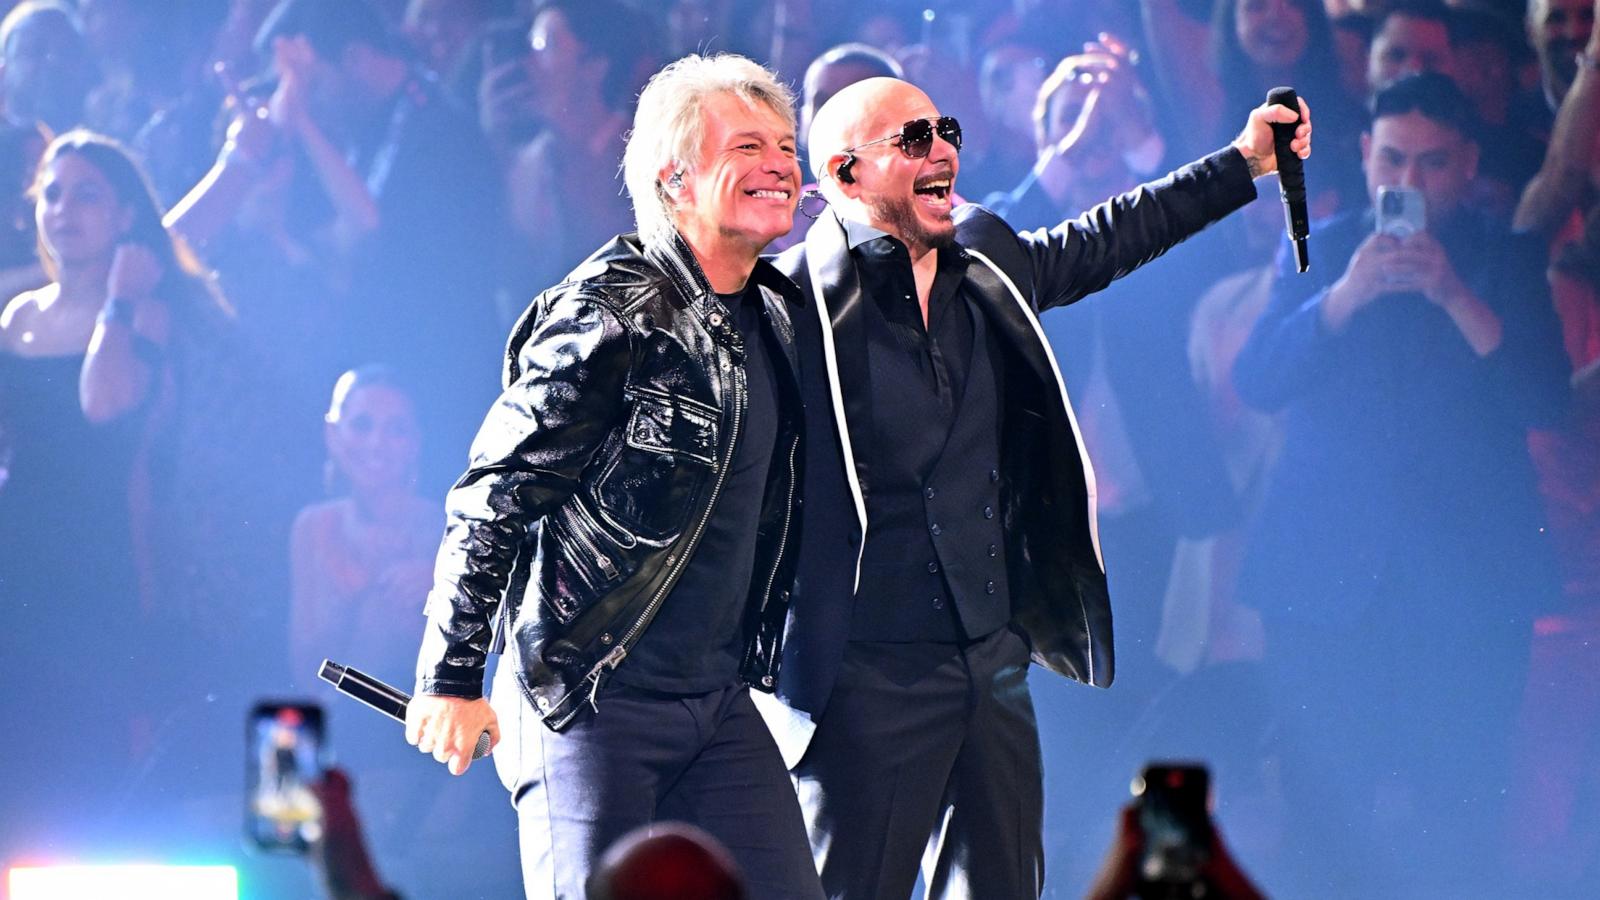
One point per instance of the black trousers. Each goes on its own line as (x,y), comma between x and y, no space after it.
(706,759)
(928,753)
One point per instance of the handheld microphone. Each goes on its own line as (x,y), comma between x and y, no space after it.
(1291,176)
(385,698)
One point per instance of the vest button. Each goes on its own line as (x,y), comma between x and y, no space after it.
(933,568)
(928,492)
(938,603)
(993,551)
(988,512)
(936,529)
(988,588)
(994,475)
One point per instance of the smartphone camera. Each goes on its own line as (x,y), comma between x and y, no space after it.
(283,759)
(1175,817)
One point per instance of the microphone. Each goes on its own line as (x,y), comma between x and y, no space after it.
(387,699)
(1291,176)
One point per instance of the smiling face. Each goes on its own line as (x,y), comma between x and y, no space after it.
(373,438)
(80,217)
(908,198)
(1272,33)
(741,193)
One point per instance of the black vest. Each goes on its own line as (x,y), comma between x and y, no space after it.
(934,564)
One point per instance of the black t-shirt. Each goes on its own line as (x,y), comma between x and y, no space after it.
(696,641)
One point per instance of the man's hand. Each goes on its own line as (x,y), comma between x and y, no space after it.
(1255,141)
(448,728)
(1428,271)
(1366,277)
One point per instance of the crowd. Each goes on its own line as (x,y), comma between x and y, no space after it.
(1351,518)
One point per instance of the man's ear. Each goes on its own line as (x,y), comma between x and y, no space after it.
(841,168)
(1366,149)
(669,179)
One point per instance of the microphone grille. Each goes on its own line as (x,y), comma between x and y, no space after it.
(482,750)
(1284,96)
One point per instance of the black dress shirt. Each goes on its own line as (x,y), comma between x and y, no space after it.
(920,379)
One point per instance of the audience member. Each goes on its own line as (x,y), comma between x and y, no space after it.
(667,861)
(440,31)
(1352,42)
(45,73)
(1564,185)
(1009,77)
(1552,834)
(566,198)
(47,69)
(393,187)
(1255,45)
(1402,518)
(1558,30)
(66,553)
(1413,36)
(361,562)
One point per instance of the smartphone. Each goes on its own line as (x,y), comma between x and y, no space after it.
(1175,816)
(1402,211)
(283,759)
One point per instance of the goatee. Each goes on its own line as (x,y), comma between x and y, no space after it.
(900,214)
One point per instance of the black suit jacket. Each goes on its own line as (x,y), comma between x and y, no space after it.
(1057,577)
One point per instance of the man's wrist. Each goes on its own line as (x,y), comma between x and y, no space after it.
(1251,160)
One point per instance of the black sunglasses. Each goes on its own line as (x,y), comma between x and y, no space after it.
(916,136)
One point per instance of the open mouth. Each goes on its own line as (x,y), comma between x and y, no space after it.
(933,191)
(770,194)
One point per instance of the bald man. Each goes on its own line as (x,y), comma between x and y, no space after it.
(949,532)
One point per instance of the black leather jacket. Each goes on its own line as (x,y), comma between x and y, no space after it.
(593,477)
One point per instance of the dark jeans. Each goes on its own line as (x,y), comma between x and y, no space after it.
(706,759)
(928,752)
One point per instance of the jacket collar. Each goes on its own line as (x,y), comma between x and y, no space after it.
(674,257)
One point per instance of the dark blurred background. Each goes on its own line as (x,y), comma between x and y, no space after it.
(260,307)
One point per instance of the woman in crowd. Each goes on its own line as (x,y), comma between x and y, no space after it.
(87,376)
(1256,45)
(360,562)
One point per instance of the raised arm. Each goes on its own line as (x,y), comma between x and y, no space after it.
(1565,174)
(123,366)
(1083,255)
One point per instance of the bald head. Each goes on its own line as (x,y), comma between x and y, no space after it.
(907,196)
(862,112)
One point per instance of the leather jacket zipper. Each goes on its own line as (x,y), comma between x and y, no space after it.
(617,653)
(602,560)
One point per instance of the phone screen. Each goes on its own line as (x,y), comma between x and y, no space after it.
(1174,816)
(283,759)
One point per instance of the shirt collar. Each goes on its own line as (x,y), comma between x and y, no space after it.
(858,233)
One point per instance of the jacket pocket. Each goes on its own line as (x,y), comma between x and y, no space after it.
(669,445)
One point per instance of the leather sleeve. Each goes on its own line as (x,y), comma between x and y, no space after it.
(565,397)
(1083,255)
